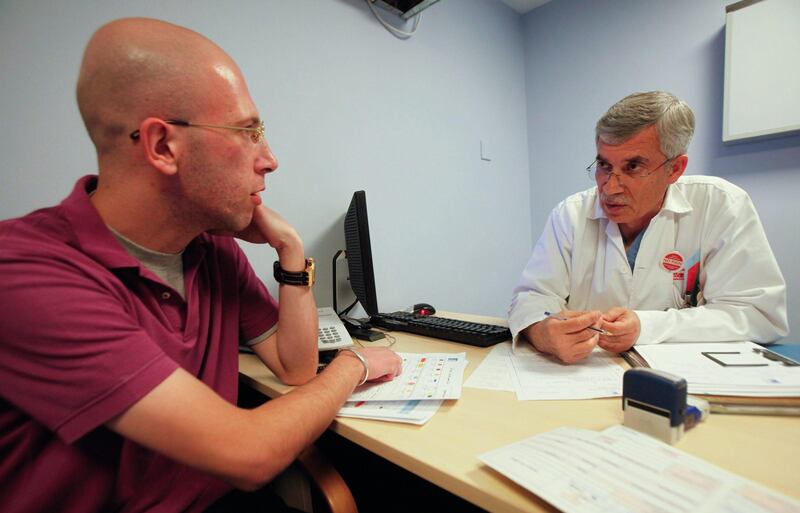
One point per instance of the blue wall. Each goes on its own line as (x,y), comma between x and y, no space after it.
(347,107)
(581,56)
(350,107)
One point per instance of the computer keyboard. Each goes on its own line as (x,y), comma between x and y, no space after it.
(472,333)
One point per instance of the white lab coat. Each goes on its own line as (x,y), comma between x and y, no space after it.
(579,263)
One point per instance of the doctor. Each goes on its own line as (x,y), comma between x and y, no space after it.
(648,255)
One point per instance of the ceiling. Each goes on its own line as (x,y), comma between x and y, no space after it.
(524,6)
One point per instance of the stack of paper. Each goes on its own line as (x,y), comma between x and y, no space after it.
(410,412)
(619,469)
(533,375)
(724,369)
(413,396)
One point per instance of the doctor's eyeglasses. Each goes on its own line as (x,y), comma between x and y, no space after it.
(256,133)
(601,171)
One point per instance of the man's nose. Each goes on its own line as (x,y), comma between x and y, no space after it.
(613,184)
(267,162)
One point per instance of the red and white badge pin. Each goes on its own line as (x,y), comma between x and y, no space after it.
(672,261)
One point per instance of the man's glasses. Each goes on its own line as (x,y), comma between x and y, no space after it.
(256,133)
(601,171)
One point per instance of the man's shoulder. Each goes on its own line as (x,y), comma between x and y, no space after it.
(40,230)
(40,249)
(53,226)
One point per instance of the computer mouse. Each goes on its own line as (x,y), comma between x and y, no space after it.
(424,309)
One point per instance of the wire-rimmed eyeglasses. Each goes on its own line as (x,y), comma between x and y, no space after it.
(601,170)
(256,133)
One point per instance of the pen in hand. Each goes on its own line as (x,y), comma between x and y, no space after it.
(598,330)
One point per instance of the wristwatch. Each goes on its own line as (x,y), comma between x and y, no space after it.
(304,278)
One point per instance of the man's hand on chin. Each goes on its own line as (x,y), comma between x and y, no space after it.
(267,226)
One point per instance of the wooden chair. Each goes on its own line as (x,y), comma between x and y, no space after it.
(312,475)
(327,481)
(311,471)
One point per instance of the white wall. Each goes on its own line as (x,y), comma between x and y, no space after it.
(347,107)
(581,56)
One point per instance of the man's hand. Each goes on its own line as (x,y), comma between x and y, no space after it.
(568,340)
(269,227)
(624,326)
(384,364)
(292,353)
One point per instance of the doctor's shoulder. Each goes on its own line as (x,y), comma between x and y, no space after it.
(714,195)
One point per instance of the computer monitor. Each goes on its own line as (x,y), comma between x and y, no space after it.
(359,253)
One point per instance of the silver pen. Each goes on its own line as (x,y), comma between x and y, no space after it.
(598,330)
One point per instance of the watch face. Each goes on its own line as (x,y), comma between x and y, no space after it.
(311,271)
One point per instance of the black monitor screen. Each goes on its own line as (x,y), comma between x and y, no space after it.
(359,253)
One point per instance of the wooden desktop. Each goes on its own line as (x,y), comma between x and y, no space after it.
(444,451)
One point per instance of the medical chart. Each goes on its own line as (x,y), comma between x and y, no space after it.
(623,471)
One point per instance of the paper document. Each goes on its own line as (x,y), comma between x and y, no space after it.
(537,376)
(533,375)
(410,412)
(724,368)
(494,372)
(425,376)
(621,470)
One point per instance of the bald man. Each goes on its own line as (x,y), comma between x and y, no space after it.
(123,307)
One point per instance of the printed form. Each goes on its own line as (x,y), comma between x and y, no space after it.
(535,376)
(624,471)
(543,377)
(424,376)
(494,372)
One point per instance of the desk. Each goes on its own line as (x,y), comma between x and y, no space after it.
(444,451)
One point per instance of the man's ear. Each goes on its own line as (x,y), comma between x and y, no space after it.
(677,167)
(159,144)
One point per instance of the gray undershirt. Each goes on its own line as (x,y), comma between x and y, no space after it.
(169,267)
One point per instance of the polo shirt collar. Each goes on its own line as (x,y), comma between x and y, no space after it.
(93,236)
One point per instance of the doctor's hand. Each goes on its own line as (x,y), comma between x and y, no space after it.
(624,326)
(567,340)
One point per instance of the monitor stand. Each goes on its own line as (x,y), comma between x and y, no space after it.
(355,329)
(360,332)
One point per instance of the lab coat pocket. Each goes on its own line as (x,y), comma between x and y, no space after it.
(677,286)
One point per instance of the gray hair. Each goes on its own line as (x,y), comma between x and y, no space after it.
(673,118)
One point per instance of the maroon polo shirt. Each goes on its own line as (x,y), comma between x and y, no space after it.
(85,332)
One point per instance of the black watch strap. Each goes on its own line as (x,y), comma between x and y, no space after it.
(303,278)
